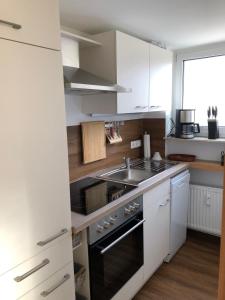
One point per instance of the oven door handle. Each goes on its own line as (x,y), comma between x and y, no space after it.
(122,236)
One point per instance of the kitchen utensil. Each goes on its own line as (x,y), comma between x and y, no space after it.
(209,112)
(93,140)
(216,112)
(213,111)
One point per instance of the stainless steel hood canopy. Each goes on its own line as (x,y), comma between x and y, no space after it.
(85,83)
(76,79)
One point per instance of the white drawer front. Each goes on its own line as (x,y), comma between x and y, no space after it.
(28,275)
(39,21)
(60,286)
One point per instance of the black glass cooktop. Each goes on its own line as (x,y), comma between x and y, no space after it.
(89,194)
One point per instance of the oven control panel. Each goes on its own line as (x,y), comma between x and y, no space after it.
(110,222)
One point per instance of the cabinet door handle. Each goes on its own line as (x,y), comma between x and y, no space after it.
(52,238)
(35,269)
(164,204)
(139,106)
(54,287)
(13,25)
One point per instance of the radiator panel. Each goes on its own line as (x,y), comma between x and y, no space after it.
(205,209)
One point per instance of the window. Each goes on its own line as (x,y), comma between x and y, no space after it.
(204,86)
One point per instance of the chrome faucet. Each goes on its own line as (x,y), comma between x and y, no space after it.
(127,162)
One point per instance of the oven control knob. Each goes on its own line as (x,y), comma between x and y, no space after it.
(132,208)
(136,205)
(112,220)
(106,224)
(127,211)
(100,228)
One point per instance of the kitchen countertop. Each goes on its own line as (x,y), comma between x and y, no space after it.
(80,222)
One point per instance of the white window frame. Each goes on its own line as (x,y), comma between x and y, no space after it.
(188,54)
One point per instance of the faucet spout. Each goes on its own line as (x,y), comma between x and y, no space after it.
(127,162)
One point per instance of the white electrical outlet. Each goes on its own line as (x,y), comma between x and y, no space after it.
(135,144)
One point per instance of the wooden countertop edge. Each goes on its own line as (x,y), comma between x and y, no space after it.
(212,166)
(81,222)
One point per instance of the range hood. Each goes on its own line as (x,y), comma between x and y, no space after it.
(85,83)
(77,80)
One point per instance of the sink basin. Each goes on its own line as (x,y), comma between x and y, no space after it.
(132,176)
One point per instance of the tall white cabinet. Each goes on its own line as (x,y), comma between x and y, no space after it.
(35,225)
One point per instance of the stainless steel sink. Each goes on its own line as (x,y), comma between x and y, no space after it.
(132,176)
(137,172)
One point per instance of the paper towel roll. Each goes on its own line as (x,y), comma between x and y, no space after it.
(147,149)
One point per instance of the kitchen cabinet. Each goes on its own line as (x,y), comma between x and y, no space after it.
(160,81)
(15,284)
(123,60)
(34,194)
(39,21)
(59,286)
(156,205)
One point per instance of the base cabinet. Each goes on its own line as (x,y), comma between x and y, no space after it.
(156,203)
(59,286)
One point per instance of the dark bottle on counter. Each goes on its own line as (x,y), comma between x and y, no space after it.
(222,158)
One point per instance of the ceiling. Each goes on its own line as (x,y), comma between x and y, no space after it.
(177,23)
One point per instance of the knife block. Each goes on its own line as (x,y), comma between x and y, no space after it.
(213,130)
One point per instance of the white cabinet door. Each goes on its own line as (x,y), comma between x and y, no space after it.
(156,228)
(39,21)
(132,58)
(60,286)
(161,62)
(34,193)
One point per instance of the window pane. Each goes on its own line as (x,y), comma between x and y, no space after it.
(204,86)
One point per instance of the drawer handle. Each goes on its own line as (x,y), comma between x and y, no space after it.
(54,287)
(35,269)
(43,243)
(164,204)
(13,25)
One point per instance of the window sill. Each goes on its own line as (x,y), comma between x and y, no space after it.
(196,139)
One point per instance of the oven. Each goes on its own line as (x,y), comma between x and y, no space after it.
(117,255)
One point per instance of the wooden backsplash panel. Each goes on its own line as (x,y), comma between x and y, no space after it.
(156,129)
(131,130)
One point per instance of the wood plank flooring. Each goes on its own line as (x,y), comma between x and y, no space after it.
(191,275)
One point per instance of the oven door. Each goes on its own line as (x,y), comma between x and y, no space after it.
(116,258)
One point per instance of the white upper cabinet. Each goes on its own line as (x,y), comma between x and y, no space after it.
(161,65)
(34,193)
(132,61)
(123,60)
(39,21)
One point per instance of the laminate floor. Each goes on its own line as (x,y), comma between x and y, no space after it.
(191,275)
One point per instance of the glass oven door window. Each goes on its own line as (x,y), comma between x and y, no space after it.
(111,270)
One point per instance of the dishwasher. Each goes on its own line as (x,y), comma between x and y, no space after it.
(179,187)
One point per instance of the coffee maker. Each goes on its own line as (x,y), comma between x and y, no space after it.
(185,124)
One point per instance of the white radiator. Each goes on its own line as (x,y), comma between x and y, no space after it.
(205,209)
